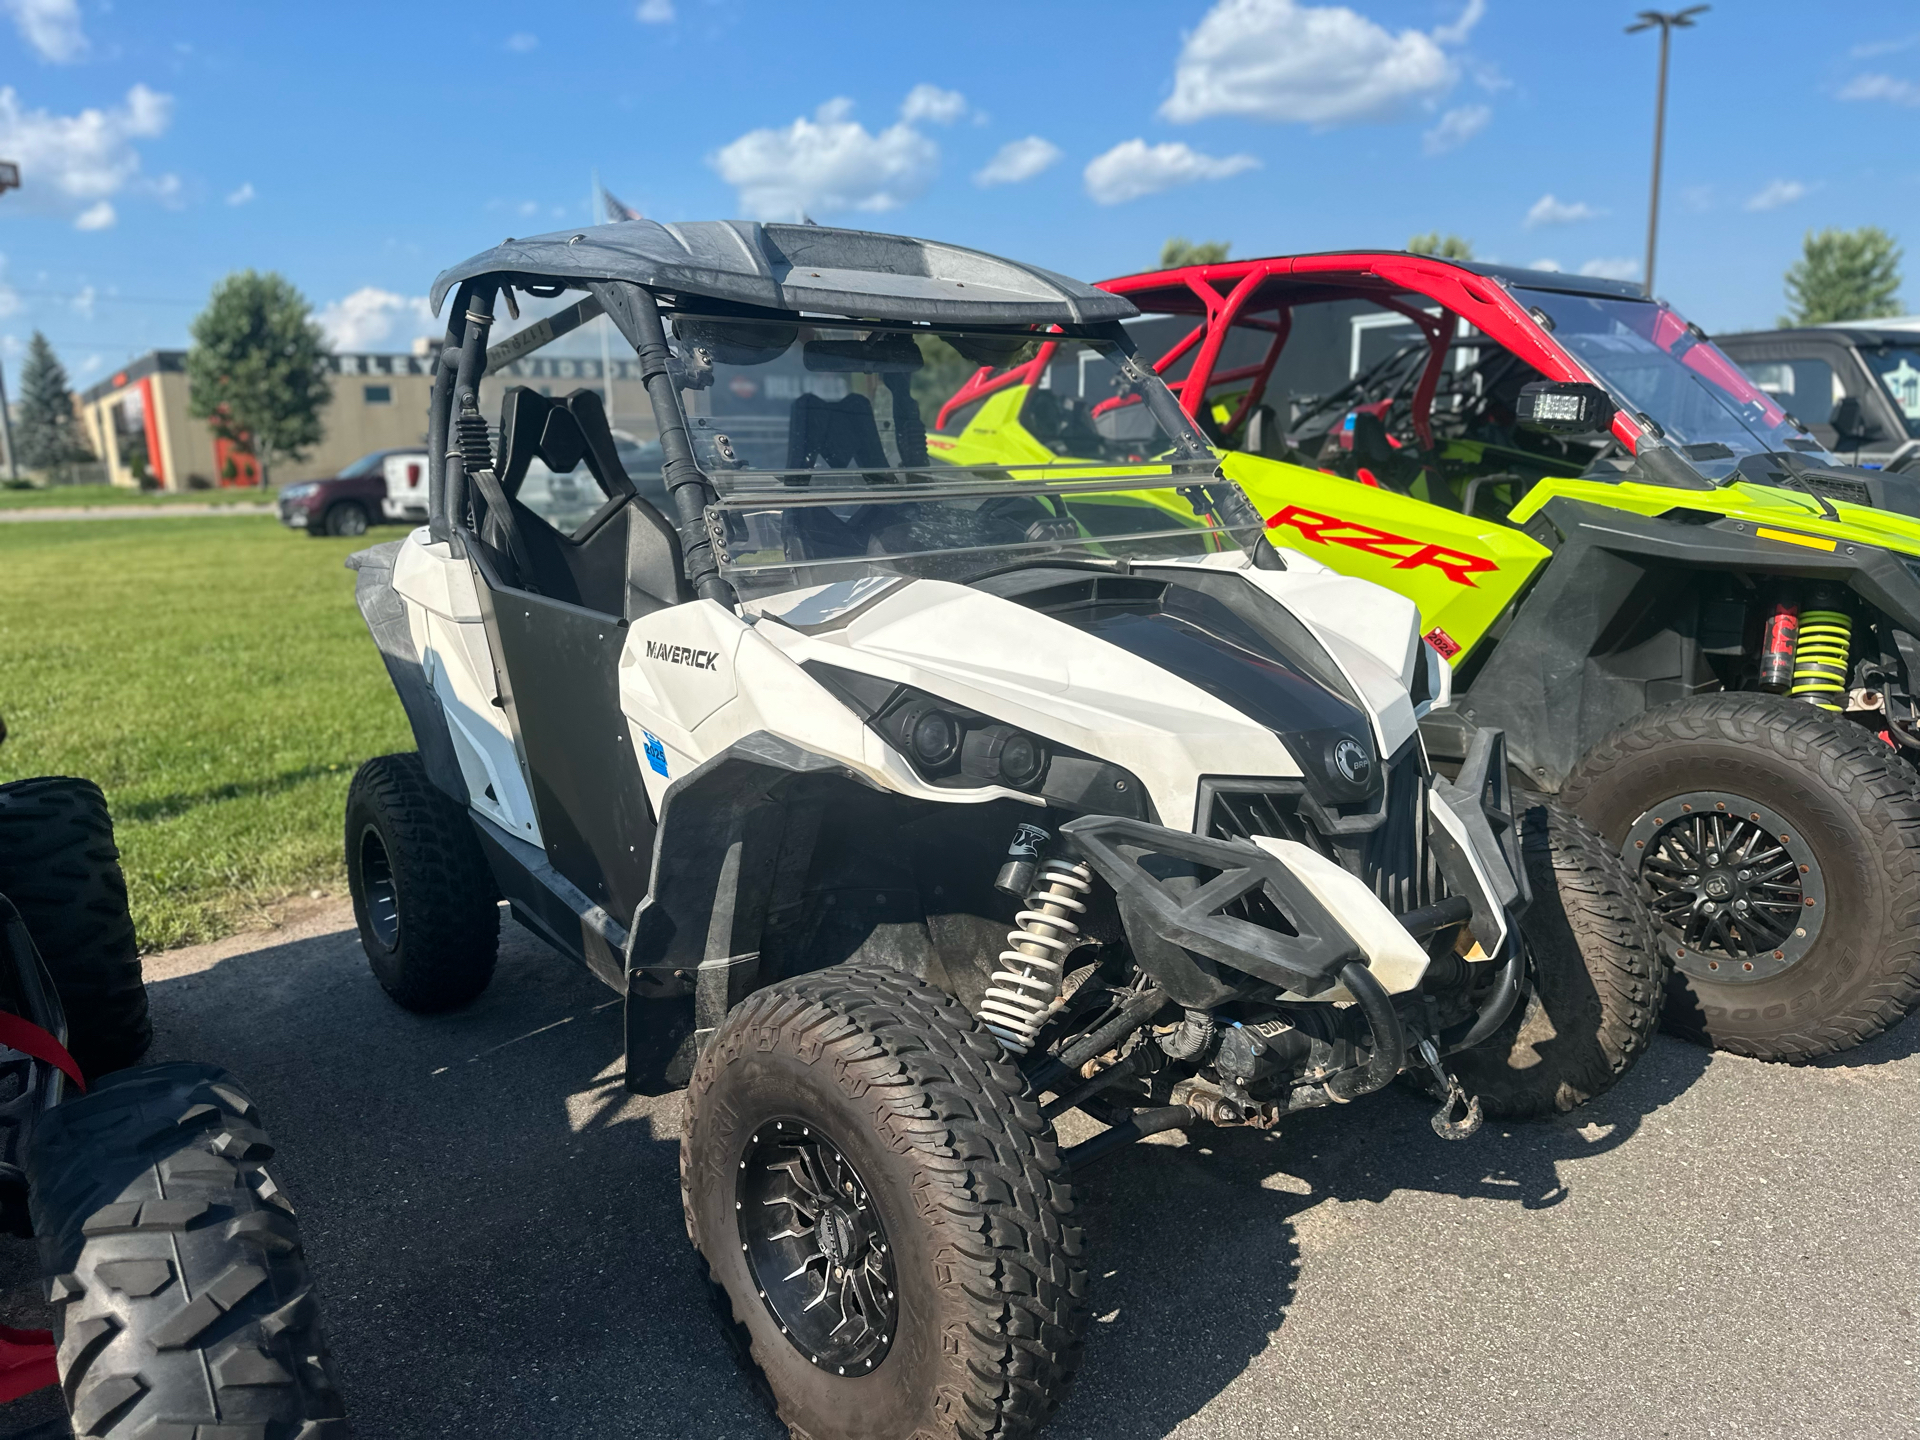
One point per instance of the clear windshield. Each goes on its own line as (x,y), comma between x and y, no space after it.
(795,398)
(365,465)
(1658,366)
(1897,368)
(961,524)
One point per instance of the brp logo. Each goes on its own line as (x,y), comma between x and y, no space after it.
(1352,760)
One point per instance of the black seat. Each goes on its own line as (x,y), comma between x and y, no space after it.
(625,560)
(840,434)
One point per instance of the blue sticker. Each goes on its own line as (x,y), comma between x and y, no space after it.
(656,753)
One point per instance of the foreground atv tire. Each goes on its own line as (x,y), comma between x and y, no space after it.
(1849,809)
(1596,972)
(422,893)
(181,1294)
(61,869)
(871,1117)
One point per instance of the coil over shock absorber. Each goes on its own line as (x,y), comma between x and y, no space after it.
(1821,651)
(1022,992)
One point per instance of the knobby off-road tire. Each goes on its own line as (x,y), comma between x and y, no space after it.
(1838,792)
(423,896)
(183,1307)
(1596,976)
(61,869)
(951,1162)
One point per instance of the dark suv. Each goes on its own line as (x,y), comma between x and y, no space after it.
(362,494)
(1857,387)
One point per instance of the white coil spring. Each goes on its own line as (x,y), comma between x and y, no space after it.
(1022,994)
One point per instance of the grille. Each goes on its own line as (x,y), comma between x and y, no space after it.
(1392,857)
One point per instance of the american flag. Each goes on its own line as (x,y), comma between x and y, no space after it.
(615,210)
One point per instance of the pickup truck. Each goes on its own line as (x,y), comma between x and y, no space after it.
(386,487)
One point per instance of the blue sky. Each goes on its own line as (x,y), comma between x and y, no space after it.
(358,148)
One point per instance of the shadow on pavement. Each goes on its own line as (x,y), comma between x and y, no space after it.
(495,1225)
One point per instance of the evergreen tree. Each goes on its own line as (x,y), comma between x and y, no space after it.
(1844,275)
(45,427)
(1181,251)
(1443,247)
(257,369)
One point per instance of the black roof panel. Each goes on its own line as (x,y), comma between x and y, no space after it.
(1557,280)
(814,268)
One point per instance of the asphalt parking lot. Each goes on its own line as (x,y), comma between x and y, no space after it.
(1716,1248)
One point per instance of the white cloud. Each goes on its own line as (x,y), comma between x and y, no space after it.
(89,365)
(1883,47)
(1549,211)
(242,196)
(9,297)
(521,43)
(1618,268)
(828,163)
(168,190)
(1134,168)
(51,27)
(1017,160)
(930,102)
(370,315)
(71,164)
(1777,193)
(1315,64)
(654,12)
(1881,87)
(83,302)
(1456,127)
(1544,265)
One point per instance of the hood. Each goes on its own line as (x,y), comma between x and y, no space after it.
(1152,676)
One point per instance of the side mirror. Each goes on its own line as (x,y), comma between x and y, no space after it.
(1563,407)
(1850,420)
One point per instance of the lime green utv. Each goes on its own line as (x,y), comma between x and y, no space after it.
(1691,622)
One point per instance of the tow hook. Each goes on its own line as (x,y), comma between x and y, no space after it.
(1444,1125)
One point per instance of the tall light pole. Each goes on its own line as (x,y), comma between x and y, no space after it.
(9,180)
(1668,23)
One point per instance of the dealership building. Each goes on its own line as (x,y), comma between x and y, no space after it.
(139,424)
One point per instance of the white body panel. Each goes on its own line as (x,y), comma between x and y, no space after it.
(406,477)
(450,636)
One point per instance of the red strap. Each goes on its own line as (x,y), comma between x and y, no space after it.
(26,1359)
(29,1039)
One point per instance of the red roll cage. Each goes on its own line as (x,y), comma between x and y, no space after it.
(1261,294)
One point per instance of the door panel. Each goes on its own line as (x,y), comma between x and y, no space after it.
(560,683)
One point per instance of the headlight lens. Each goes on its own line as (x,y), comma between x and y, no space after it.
(299,492)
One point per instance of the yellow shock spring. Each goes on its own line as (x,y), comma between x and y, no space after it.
(1820,658)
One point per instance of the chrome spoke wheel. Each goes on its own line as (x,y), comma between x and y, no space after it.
(817,1251)
(1737,893)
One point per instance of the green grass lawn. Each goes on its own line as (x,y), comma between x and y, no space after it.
(88,497)
(216,679)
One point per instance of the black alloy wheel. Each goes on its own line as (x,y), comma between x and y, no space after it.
(348,517)
(816,1248)
(1737,895)
(376,883)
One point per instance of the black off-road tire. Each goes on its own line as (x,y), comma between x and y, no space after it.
(430,922)
(1849,797)
(61,869)
(181,1294)
(963,1172)
(1596,975)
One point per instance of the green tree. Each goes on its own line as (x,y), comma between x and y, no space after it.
(45,426)
(1844,275)
(1180,251)
(257,371)
(1444,247)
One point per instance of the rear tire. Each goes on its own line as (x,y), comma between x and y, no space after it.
(948,1168)
(1850,808)
(423,896)
(181,1294)
(1594,1002)
(61,869)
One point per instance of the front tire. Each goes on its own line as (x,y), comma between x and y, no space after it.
(61,869)
(347,517)
(181,1295)
(950,1218)
(1832,955)
(423,896)
(1597,983)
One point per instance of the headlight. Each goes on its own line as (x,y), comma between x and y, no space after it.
(299,492)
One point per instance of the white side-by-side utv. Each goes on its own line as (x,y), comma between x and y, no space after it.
(912,800)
